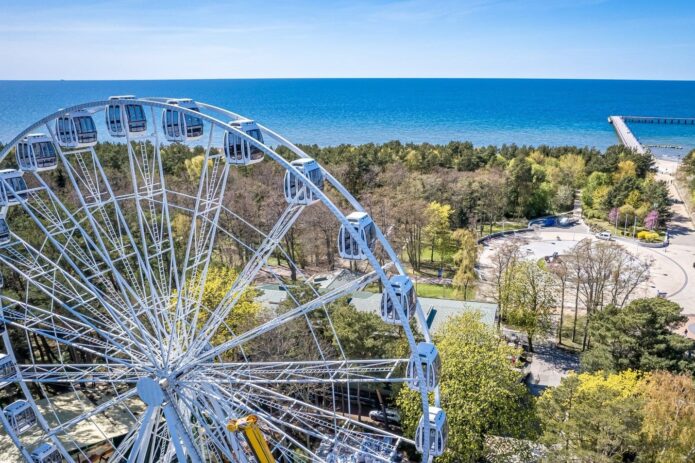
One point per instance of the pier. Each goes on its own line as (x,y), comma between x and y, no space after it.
(658,120)
(625,135)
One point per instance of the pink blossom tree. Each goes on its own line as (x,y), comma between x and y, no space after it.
(652,219)
(613,215)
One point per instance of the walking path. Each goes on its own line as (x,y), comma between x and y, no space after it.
(682,237)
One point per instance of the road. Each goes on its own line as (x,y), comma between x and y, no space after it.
(673,268)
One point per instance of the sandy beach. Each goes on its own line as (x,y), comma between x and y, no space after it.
(667,167)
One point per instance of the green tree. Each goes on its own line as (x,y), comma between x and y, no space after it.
(639,336)
(465,259)
(480,391)
(520,186)
(437,228)
(530,298)
(592,417)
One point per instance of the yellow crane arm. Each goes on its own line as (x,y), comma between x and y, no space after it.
(248,426)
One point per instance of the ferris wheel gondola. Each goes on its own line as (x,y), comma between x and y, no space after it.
(109,272)
(241,151)
(76,130)
(124,116)
(180,126)
(36,152)
(12,187)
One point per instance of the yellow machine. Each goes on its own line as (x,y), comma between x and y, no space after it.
(253,435)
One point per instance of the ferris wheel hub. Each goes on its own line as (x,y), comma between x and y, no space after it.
(150,392)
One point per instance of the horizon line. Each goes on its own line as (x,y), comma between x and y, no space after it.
(620,79)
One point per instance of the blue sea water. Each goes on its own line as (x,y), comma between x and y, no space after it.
(334,111)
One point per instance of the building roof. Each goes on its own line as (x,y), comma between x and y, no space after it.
(437,311)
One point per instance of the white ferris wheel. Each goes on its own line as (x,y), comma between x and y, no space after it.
(108,349)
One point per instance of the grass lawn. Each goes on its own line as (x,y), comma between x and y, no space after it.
(498,227)
(432,291)
(442,292)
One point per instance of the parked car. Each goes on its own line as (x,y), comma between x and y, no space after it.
(604,235)
(392,416)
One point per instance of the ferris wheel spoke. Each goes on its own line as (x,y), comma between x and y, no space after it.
(99,203)
(62,329)
(201,239)
(67,236)
(69,239)
(267,423)
(138,450)
(248,274)
(70,294)
(112,232)
(346,432)
(284,318)
(121,452)
(181,435)
(288,421)
(219,411)
(70,373)
(304,372)
(274,398)
(156,242)
(215,430)
(149,195)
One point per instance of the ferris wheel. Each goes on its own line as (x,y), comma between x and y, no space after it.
(112,349)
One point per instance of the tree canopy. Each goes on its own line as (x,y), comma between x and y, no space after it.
(592,417)
(639,336)
(480,390)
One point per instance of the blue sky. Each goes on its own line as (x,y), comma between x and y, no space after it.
(90,39)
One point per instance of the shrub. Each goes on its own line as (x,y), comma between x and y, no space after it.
(649,236)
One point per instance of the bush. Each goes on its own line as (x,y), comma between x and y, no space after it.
(594,214)
(649,236)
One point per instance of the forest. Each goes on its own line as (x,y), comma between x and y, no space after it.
(433,202)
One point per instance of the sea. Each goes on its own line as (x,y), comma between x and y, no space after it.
(336,111)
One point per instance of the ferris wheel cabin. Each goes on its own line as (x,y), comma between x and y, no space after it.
(7,370)
(405,293)
(240,151)
(76,130)
(36,152)
(428,356)
(439,432)
(123,118)
(12,187)
(296,191)
(348,247)
(4,232)
(21,416)
(180,126)
(46,453)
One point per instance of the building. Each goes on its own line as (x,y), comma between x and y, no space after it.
(437,311)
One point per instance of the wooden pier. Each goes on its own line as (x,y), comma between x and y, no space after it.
(625,135)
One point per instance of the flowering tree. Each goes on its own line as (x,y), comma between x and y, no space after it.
(652,219)
(613,215)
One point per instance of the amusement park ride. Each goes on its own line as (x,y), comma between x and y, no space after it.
(99,277)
